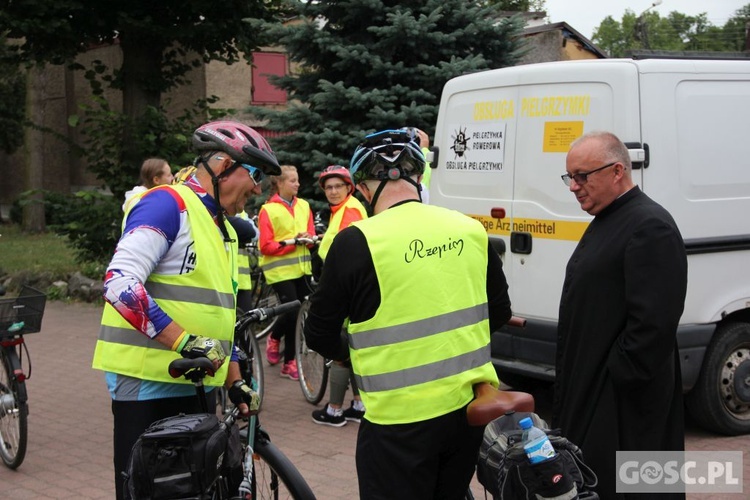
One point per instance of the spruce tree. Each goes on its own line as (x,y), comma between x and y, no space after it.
(369,65)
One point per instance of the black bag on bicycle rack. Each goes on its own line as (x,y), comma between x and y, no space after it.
(506,473)
(180,457)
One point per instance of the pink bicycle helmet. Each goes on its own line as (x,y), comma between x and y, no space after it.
(240,142)
(336,171)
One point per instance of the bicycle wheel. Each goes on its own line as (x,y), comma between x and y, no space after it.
(312,367)
(264,296)
(275,477)
(13,411)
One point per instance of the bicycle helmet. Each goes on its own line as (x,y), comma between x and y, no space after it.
(336,171)
(240,142)
(387,155)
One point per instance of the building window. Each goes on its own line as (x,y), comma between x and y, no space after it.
(264,65)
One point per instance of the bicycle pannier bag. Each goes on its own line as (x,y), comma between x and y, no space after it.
(178,457)
(506,473)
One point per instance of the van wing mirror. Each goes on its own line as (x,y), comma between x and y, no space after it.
(433,156)
(639,154)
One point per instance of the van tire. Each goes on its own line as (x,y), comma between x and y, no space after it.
(720,400)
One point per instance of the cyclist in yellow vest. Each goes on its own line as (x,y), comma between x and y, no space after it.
(170,287)
(286,231)
(337,184)
(422,288)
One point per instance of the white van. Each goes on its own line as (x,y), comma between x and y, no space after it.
(499,151)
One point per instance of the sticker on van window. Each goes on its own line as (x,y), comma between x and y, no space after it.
(477,148)
(559,135)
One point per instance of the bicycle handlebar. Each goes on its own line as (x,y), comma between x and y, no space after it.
(263,313)
(196,369)
(301,241)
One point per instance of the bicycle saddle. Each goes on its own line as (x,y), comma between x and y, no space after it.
(490,403)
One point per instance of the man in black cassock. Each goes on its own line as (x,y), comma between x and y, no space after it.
(618,383)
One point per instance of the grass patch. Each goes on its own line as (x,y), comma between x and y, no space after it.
(46,252)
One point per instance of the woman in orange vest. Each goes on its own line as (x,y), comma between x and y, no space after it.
(345,209)
(286,234)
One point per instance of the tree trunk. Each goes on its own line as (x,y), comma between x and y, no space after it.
(141,77)
(36,110)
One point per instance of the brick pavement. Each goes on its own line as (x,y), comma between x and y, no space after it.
(70,423)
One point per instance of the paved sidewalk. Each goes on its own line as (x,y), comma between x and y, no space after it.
(70,423)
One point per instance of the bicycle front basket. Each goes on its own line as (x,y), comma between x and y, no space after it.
(22,314)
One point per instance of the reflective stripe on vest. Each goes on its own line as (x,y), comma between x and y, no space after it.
(334,225)
(201,301)
(287,226)
(428,343)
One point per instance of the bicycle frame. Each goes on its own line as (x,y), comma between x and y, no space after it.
(259,453)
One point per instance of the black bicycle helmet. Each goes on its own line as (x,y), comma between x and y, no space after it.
(240,142)
(387,155)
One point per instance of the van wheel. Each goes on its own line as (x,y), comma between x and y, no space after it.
(720,401)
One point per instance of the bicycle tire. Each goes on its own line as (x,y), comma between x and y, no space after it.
(264,296)
(311,366)
(13,411)
(275,476)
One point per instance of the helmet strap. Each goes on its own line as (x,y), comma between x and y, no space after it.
(220,219)
(382,184)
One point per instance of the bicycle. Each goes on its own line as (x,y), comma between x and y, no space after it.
(251,365)
(18,316)
(312,367)
(263,294)
(267,472)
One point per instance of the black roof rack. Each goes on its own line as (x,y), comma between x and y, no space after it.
(685,54)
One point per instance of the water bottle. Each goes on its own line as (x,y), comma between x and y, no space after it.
(535,442)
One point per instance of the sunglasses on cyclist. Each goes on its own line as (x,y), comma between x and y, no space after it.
(256,174)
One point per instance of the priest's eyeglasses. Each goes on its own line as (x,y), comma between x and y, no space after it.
(582,178)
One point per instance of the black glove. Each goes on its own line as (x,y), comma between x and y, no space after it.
(240,393)
(197,346)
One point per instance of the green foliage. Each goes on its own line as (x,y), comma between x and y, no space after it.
(91,221)
(35,253)
(375,64)
(152,134)
(56,32)
(676,32)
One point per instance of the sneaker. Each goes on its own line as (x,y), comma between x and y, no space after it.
(289,370)
(272,351)
(322,417)
(353,415)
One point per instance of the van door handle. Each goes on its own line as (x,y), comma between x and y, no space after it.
(520,242)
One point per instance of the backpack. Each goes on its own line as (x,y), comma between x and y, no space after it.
(506,473)
(182,457)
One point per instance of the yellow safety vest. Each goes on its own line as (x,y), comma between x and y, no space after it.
(202,301)
(286,226)
(428,343)
(243,263)
(334,225)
